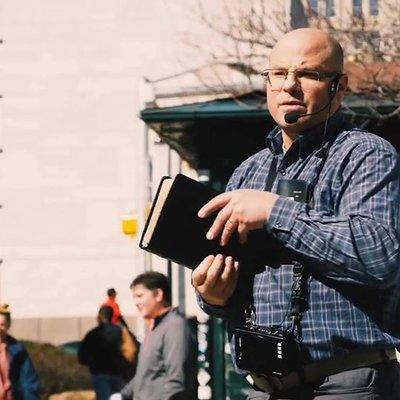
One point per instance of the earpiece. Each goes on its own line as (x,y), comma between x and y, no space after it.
(334,87)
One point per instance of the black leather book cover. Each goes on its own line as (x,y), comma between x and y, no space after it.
(180,235)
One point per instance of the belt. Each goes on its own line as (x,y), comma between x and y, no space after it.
(313,372)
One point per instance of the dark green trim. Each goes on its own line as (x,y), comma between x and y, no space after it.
(162,115)
(251,106)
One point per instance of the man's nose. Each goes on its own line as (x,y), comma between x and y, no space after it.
(290,83)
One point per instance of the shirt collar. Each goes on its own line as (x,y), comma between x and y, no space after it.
(309,140)
(158,319)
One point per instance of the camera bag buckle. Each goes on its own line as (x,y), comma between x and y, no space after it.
(250,315)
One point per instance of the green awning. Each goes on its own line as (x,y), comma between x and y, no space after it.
(219,134)
(249,106)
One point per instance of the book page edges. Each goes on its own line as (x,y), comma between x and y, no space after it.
(156,211)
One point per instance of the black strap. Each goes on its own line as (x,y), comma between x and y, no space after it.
(271,174)
(299,293)
(298,297)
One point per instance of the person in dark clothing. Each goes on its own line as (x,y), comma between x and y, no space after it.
(100,350)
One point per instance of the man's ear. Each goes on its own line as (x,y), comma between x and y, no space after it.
(343,83)
(341,89)
(159,295)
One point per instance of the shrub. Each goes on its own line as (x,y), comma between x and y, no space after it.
(58,371)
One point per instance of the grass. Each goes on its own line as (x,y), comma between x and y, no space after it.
(58,371)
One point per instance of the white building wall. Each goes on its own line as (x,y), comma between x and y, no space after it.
(69,130)
(166,161)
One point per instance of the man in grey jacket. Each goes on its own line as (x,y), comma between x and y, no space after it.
(166,367)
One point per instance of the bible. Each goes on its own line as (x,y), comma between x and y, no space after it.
(175,232)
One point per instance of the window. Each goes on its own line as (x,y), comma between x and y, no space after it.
(374,7)
(330,8)
(357,8)
(375,39)
(314,5)
(371,38)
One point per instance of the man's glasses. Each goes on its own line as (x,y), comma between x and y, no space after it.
(276,77)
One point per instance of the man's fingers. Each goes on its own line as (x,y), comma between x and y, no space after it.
(229,228)
(242,232)
(220,281)
(199,275)
(221,220)
(222,223)
(215,204)
(214,272)
(231,284)
(236,265)
(228,272)
(230,276)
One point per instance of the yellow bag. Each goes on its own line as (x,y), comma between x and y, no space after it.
(130,346)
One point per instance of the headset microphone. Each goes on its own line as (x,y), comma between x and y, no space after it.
(294,117)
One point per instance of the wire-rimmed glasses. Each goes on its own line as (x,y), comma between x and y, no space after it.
(276,77)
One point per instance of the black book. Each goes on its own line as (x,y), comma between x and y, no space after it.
(175,232)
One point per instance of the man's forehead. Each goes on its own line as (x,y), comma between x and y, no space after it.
(304,48)
(139,288)
(311,57)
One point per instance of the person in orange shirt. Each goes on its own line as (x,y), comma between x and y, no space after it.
(111,302)
(130,345)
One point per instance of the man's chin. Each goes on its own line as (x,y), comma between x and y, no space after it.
(294,127)
(303,124)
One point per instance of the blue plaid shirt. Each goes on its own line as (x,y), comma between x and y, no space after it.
(348,235)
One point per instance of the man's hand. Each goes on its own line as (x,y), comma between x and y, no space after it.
(215,279)
(243,210)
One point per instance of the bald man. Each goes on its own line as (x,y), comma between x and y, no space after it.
(329,193)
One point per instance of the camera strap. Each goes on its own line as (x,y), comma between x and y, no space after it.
(298,300)
(298,297)
(299,292)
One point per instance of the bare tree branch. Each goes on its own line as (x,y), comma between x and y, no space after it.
(245,32)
